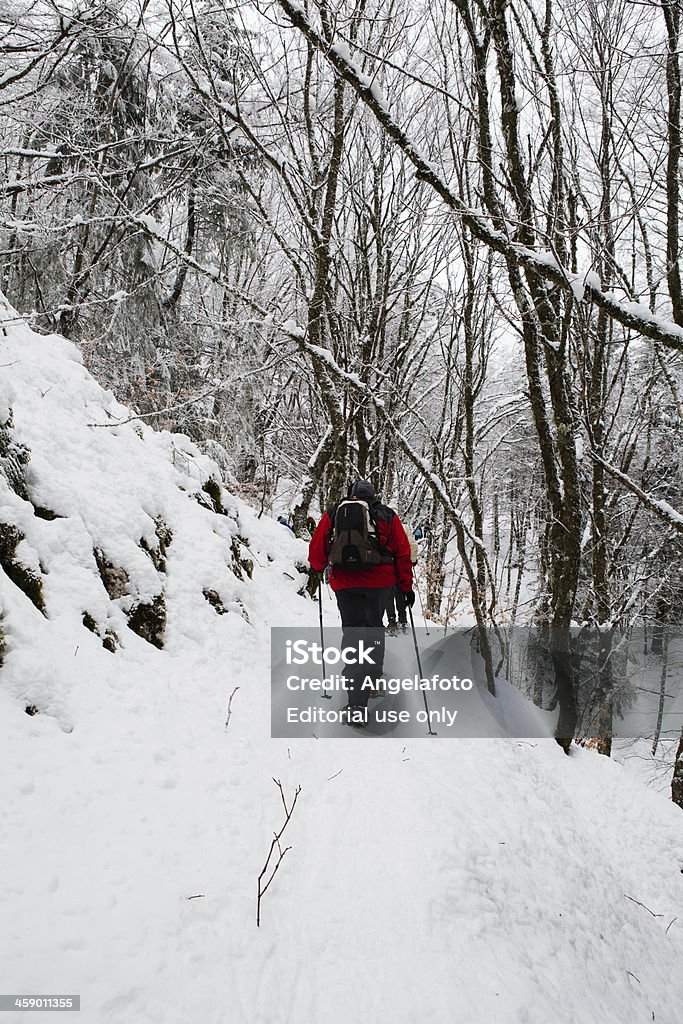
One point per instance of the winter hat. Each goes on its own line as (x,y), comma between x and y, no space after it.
(363,489)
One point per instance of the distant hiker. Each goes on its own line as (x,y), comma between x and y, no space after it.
(284,522)
(396,602)
(396,611)
(369,553)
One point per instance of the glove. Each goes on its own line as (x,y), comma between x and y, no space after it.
(410,598)
(316,579)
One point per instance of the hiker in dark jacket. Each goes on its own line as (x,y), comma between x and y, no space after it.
(396,600)
(362,589)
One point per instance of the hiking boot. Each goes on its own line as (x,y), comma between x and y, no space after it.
(392,627)
(354,715)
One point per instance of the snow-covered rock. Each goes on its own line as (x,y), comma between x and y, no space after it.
(114,537)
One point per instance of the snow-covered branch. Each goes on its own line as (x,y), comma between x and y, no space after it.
(661,508)
(631,315)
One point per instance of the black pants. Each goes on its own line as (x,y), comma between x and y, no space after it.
(362,612)
(396,602)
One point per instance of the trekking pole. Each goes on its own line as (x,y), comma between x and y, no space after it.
(419,665)
(326,696)
(415,587)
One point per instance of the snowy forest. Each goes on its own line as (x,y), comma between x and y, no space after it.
(433,246)
(436,245)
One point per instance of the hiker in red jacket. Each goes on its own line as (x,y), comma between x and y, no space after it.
(369,552)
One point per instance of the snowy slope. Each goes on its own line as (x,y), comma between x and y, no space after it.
(429,880)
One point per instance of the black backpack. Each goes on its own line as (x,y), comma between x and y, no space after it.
(354,542)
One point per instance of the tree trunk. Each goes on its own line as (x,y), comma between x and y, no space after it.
(672,17)
(677,781)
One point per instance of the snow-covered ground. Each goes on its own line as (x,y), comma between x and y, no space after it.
(428,880)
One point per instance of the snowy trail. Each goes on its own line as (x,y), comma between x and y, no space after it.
(447,881)
(433,880)
(442,908)
(486,913)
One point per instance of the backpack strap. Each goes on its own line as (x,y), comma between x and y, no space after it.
(332,514)
(379,511)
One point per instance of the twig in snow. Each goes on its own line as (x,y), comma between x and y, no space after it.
(227,720)
(197,896)
(335,775)
(245,545)
(669,925)
(282,794)
(633,976)
(643,906)
(275,844)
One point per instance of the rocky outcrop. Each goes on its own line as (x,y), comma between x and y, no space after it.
(148,620)
(26,579)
